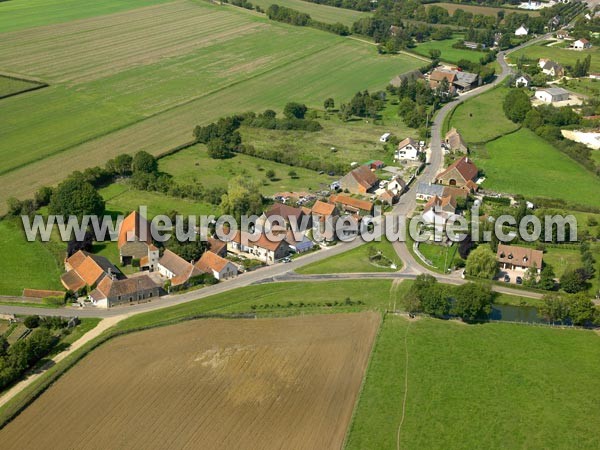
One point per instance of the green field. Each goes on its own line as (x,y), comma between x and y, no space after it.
(561,55)
(322,13)
(122,199)
(449,54)
(482,118)
(25,264)
(483,10)
(128,81)
(21,14)
(356,260)
(523,163)
(492,386)
(193,165)
(11,86)
(585,86)
(441,256)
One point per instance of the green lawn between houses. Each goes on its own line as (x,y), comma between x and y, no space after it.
(523,163)
(492,386)
(356,260)
(563,56)
(449,53)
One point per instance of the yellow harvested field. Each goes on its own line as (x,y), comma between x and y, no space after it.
(218,383)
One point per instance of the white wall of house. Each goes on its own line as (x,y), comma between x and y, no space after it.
(408,152)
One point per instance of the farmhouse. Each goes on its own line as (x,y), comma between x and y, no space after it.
(259,246)
(218,247)
(293,217)
(512,257)
(438,210)
(551,68)
(407,150)
(455,141)
(298,244)
(552,95)
(388,197)
(396,185)
(111,292)
(408,76)
(523,80)
(461,173)
(324,216)
(134,238)
(175,268)
(582,44)
(562,34)
(522,31)
(85,269)
(457,80)
(218,267)
(425,191)
(359,181)
(352,205)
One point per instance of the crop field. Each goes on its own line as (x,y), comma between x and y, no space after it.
(142,79)
(482,118)
(20,14)
(561,55)
(193,165)
(322,13)
(492,386)
(449,53)
(260,383)
(12,86)
(523,163)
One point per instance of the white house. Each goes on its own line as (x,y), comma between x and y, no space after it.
(551,95)
(408,150)
(523,81)
(385,137)
(218,267)
(581,44)
(522,31)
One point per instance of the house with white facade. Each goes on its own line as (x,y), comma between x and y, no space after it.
(522,31)
(552,95)
(407,150)
(582,44)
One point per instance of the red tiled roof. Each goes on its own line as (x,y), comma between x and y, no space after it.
(464,166)
(440,201)
(131,229)
(211,261)
(520,256)
(346,200)
(322,208)
(182,269)
(260,240)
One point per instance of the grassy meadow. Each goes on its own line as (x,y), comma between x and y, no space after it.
(356,260)
(488,386)
(322,13)
(193,165)
(563,56)
(10,86)
(126,82)
(484,10)
(449,54)
(482,118)
(524,163)
(25,264)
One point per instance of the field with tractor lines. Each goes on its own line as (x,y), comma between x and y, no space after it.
(142,79)
(247,383)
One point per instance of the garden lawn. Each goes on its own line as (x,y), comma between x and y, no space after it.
(482,118)
(563,56)
(523,163)
(440,255)
(356,260)
(321,13)
(449,53)
(25,264)
(492,386)
(193,165)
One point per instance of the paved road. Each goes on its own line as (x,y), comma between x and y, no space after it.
(405,208)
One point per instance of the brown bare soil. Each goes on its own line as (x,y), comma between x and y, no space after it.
(264,383)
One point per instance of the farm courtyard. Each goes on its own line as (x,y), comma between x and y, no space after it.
(220,60)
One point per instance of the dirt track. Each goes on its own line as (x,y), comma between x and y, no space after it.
(265,383)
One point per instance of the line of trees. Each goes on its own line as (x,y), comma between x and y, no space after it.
(298,18)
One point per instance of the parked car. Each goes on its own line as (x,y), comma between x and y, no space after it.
(506,279)
(286,260)
(519,280)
